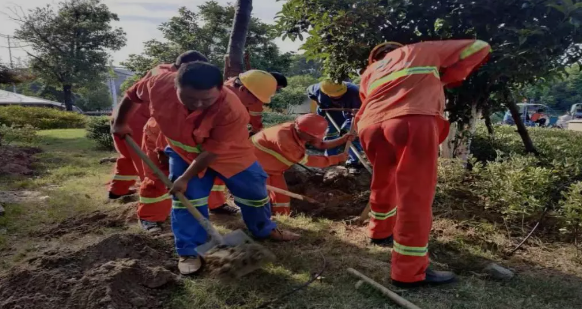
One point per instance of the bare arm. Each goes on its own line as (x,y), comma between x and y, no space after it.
(333,143)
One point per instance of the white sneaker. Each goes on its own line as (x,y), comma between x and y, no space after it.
(189,265)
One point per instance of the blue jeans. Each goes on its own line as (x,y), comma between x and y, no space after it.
(250,194)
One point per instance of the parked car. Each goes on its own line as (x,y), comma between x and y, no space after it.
(527,110)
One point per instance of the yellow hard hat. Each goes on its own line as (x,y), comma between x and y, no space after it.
(333,89)
(261,84)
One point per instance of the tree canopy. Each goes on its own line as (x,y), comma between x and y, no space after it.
(208,31)
(530,38)
(70,42)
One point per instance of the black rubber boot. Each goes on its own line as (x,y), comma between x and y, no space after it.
(115,196)
(433,277)
(225,210)
(384,242)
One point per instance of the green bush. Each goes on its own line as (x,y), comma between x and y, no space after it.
(9,134)
(294,94)
(99,130)
(271,119)
(504,184)
(40,117)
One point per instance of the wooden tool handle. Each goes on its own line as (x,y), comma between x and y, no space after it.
(393,296)
(201,219)
(291,194)
(364,163)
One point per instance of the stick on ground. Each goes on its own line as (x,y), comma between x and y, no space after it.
(384,290)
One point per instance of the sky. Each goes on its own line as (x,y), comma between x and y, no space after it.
(138,18)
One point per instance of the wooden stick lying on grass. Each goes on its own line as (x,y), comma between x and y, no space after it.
(384,290)
(291,194)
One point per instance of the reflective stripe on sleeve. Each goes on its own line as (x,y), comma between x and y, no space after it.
(255,113)
(411,251)
(402,73)
(152,200)
(304,159)
(281,205)
(474,48)
(219,188)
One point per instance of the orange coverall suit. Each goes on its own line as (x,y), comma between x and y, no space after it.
(216,129)
(155,202)
(277,149)
(129,167)
(400,125)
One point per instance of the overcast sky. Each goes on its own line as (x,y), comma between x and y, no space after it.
(138,18)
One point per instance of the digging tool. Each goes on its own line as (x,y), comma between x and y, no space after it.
(234,254)
(338,109)
(291,194)
(365,164)
(352,131)
(384,290)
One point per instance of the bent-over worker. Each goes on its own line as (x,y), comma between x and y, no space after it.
(401,126)
(328,94)
(281,146)
(204,125)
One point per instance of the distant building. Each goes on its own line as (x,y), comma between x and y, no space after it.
(8,98)
(114,83)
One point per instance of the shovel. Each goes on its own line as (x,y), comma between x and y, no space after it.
(232,255)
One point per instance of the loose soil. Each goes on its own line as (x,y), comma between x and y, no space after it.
(17,160)
(119,217)
(341,195)
(121,271)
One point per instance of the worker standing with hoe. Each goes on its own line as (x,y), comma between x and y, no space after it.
(401,126)
(204,125)
(281,146)
(344,98)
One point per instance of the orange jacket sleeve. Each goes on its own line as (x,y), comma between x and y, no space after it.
(323,161)
(256,113)
(458,58)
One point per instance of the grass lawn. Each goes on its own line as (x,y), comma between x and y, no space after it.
(69,173)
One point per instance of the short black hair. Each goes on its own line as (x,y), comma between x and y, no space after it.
(281,79)
(199,75)
(190,56)
(540,110)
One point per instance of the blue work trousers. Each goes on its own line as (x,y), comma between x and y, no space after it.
(332,133)
(250,194)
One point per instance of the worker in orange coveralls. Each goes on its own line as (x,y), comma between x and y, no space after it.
(281,146)
(128,167)
(204,125)
(400,125)
(253,94)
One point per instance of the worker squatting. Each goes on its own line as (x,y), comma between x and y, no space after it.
(196,131)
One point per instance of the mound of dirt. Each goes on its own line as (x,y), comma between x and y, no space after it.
(122,271)
(119,217)
(341,194)
(17,160)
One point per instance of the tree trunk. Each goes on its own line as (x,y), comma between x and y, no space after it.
(233,64)
(488,124)
(447,148)
(521,129)
(463,145)
(68,97)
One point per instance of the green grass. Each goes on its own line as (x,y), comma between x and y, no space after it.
(70,175)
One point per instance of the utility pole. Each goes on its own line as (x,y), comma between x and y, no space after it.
(11,62)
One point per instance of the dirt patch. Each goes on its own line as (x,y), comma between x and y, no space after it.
(119,217)
(121,271)
(17,160)
(22,196)
(341,194)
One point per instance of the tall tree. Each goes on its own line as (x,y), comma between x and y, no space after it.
(233,64)
(530,38)
(208,31)
(70,41)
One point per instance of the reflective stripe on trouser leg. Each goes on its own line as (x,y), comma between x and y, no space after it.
(217,196)
(416,182)
(155,203)
(383,196)
(125,172)
(250,194)
(188,233)
(280,204)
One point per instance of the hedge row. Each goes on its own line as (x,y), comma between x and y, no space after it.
(40,118)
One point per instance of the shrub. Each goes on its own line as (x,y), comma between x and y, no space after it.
(9,134)
(271,119)
(571,210)
(40,117)
(99,130)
